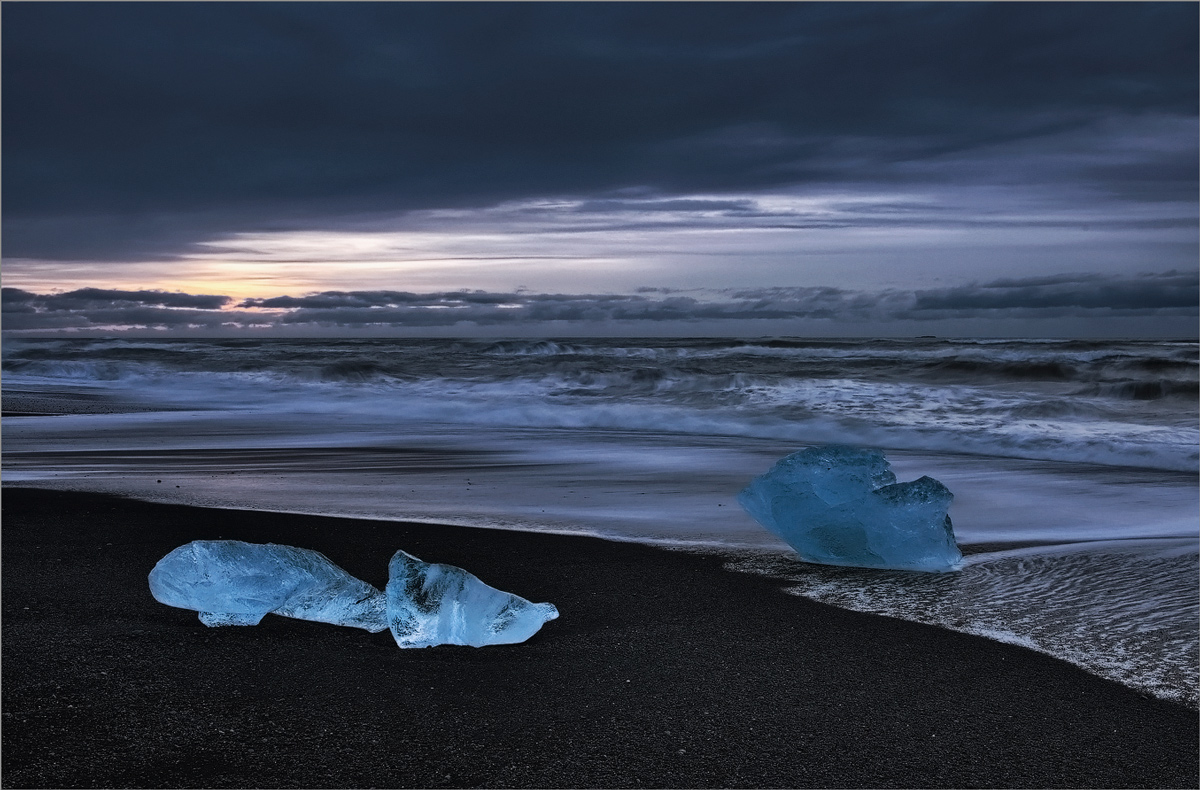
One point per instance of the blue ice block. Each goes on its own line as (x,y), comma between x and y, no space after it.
(842,506)
(234,583)
(431,604)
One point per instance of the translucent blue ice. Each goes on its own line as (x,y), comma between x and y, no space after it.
(431,604)
(234,583)
(842,506)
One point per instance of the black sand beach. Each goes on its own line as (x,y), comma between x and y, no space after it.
(664,670)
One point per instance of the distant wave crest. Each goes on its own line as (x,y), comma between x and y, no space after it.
(1117,403)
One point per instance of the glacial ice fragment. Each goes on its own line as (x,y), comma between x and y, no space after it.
(234,583)
(842,506)
(431,604)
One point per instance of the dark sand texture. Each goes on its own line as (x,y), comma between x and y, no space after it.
(663,670)
(56,400)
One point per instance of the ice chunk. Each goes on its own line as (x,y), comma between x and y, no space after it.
(234,583)
(430,604)
(842,506)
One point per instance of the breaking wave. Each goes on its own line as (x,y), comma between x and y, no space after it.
(1119,403)
(1124,610)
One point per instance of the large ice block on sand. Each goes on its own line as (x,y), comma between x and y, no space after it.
(842,506)
(430,604)
(234,583)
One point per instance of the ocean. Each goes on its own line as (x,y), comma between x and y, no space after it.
(1074,463)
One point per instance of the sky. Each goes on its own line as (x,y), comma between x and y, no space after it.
(564,169)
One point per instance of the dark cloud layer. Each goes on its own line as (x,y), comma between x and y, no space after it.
(90,298)
(1171,294)
(1166,291)
(135,129)
(96,308)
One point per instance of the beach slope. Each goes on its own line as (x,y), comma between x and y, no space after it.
(663,670)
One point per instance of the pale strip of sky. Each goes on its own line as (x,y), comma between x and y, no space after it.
(853,239)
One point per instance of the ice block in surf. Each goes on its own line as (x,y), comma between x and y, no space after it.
(230,582)
(431,604)
(842,506)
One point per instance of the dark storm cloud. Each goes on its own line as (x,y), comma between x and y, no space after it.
(94,298)
(1145,293)
(498,309)
(1170,294)
(95,308)
(90,308)
(133,130)
(122,319)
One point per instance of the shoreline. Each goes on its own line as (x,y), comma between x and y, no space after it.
(663,670)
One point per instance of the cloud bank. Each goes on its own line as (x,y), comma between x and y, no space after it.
(136,131)
(1171,296)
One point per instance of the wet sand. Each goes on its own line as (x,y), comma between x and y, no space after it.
(49,400)
(664,670)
